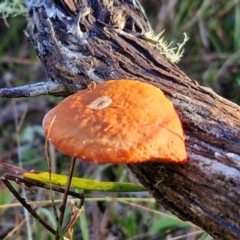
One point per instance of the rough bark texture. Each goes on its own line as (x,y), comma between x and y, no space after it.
(101,40)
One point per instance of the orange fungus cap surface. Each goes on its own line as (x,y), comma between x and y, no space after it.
(120,121)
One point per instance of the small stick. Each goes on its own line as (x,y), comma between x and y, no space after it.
(21,180)
(26,205)
(65,196)
(18,179)
(76,211)
(40,88)
(25,187)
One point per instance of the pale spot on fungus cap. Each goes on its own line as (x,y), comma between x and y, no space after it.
(120,121)
(99,103)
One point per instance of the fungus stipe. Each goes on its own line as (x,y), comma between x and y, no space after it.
(120,121)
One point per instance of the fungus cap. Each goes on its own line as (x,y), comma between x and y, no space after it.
(120,121)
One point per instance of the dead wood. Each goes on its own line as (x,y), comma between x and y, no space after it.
(100,40)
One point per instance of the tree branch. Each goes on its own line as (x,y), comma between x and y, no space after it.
(100,40)
(40,88)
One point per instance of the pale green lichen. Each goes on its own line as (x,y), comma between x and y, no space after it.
(173,54)
(12,8)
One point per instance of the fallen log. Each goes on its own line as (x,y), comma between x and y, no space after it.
(85,40)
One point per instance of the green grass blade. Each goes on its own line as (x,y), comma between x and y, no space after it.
(85,184)
(84,225)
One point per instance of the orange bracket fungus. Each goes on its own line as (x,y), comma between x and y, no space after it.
(120,121)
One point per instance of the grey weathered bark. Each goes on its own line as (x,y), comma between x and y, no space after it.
(101,40)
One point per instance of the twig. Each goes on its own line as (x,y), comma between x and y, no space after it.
(21,180)
(37,89)
(18,179)
(65,196)
(26,205)
(75,212)
(18,125)
(10,235)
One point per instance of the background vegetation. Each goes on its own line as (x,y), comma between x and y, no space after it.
(211,57)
